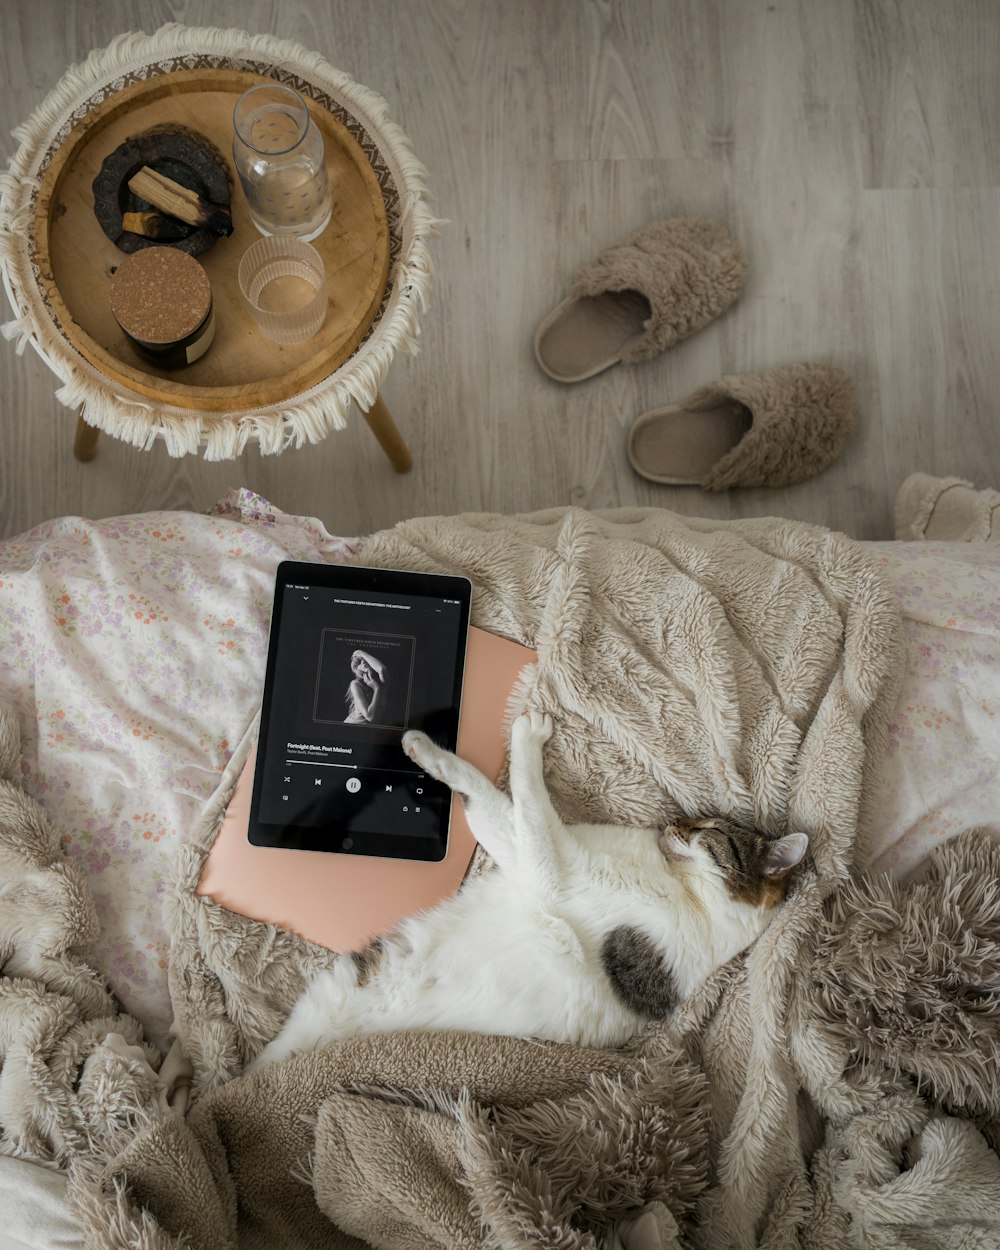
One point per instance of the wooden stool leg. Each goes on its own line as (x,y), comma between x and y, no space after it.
(85,442)
(381,424)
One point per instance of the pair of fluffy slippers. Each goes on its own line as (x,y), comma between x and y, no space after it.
(656,287)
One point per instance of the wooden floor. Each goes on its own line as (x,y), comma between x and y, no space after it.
(853,148)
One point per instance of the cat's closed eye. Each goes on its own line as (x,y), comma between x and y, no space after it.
(753,867)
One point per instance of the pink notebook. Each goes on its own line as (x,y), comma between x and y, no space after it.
(344,901)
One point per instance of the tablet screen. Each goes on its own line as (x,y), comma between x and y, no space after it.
(356,657)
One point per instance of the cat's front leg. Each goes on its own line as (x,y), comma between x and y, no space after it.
(537,826)
(488,811)
(528,736)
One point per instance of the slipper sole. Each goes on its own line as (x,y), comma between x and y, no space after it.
(584,335)
(677,446)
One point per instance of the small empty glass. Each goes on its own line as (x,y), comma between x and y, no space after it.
(279,156)
(283,281)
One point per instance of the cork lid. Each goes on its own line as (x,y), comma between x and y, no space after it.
(160,295)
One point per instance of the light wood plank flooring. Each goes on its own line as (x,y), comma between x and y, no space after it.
(853,148)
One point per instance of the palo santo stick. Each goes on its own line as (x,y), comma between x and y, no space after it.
(155,225)
(177,201)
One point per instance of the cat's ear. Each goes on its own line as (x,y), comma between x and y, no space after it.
(783,855)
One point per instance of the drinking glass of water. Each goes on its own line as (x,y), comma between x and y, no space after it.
(283,281)
(279,156)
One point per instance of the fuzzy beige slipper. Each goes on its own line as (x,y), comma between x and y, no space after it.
(655,287)
(946,509)
(752,429)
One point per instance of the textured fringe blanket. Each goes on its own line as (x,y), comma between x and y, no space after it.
(836,1087)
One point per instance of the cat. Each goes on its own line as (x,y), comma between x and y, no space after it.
(580,933)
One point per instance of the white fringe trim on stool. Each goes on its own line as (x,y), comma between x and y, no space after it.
(111,407)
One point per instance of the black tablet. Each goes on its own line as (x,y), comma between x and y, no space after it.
(356,657)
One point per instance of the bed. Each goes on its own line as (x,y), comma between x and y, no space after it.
(132,654)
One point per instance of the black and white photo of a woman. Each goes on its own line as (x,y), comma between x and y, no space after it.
(366,693)
(364,680)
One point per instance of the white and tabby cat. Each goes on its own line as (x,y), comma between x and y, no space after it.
(581,934)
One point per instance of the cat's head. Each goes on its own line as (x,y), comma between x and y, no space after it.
(749,867)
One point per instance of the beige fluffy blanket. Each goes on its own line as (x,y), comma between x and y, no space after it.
(837,1087)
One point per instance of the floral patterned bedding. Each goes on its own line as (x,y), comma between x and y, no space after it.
(133,650)
(941,773)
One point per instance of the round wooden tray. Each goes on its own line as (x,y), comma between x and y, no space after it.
(242,369)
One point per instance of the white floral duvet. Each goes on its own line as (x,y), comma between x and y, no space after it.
(133,650)
(941,773)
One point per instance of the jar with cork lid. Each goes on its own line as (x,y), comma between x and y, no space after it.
(162,299)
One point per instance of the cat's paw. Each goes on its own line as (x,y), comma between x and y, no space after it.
(532,726)
(414,742)
(424,752)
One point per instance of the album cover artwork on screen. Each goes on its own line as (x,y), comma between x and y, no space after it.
(364,679)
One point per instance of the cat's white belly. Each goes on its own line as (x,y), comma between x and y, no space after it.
(511,969)
(571,1010)
(523,974)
